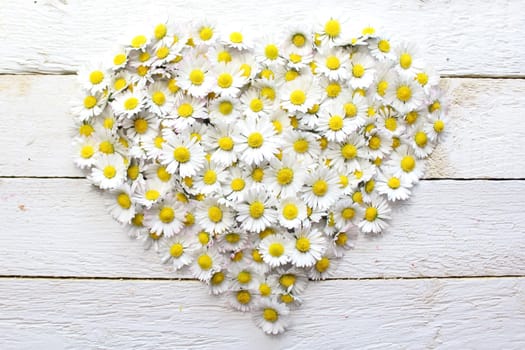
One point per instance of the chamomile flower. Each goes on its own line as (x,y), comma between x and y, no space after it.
(237,38)
(302,145)
(256,140)
(427,78)
(151,192)
(298,39)
(271,317)
(242,300)
(128,103)
(344,155)
(255,105)
(204,33)
(275,249)
(243,277)
(108,172)
(94,77)
(187,109)
(256,212)
(376,215)
(404,95)
(227,79)
(381,48)
(234,240)
(214,216)
(363,71)
(218,283)
(183,155)
(321,188)
(421,143)
(178,250)
(85,152)
(159,100)
(194,77)
(340,243)
(405,165)
(269,52)
(92,105)
(333,124)
(378,144)
(333,63)
(291,212)
(309,247)
(141,126)
(166,217)
(331,32)
(290,280)
(300,94)
(209,180)
(122,207)
(436,126)
(345,213)
(224,109)
(323,268)
(393,187)
(205,264)
(407,60)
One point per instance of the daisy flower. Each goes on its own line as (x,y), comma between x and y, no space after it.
(85,152)
(427,78)
(183,155)
(404,95)
(321,188)
(244,277)
(291,212)
(256,140)
(309,247)
(333,63)
(234,240)
(94,77)
(344,155)
(271,317)
(297,59)
(141,126)
(194,77)
(214,216)
(346,213)
(298,38)
(363,71)
(323,268)
(256,212)
(179,251)
(300,95)
(128,103)
(219,141)
(218,283)
(247,65)
(301,145)
(159,99)
(152,191)
(205,264)
(92,105)
(235,38)
(234,185)
(150,239)
(333,124)
(285,177)
(384,78)
(340,243)
(331,32)
(242,300)
(436,126)
(204,33)
(421,143)
(405,165)
(166,217)
(224,109)
(228,79)
(135,227)
(254,105)
(376,214)
(392,187)
(108,172)
(275,249)
(381,48)
(121,207)
(407,61)
(378,145)
(290,280)
(268,51)
(119,59)
(209,180)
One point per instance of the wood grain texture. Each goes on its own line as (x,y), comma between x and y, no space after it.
(457,37)
(394,314)
(58,227)
(35,110)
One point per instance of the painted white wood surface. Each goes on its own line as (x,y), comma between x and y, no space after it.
(60,227)
(458,37)
(390,314)
(451,229)
(35,110)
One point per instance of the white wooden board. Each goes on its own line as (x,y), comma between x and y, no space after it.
(393,314)
(35,110)
(457,37)
(60,227)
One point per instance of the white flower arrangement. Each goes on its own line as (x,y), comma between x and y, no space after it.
(252,163)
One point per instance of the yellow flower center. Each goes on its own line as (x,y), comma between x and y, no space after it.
(358,70)
(176,250)
(152,195)
(349,151)
(124,201)
(256,209)
(276,249)
(237,184)
(382,86)
(332,62)
(203,237)
(405,60)
(210,177)
(383,45)
(323,264)
(138,41)
(217,278)
(87,151)
(224,80)
(297,97)
(301,146)
(225,143)
(158,98)
(110,172)
(257,174)
(394,183)
(197,77)
(333,89)
(166,215)
(341,239)
(206,33)
(256,105)
(255,140)
(422,78)
(265,290)
(332,28)
(244,297)
(291,75)
(299,40)
(181,154)
(370,214)
(119,59)
(205,262)
(408,163)
(96,77)
(90,102)
(271,51)
(287,280)
(285,176)
(215,214)
(225,107)
(290,211)
(404,93)
(348,213)
(244,277)
(335,123)
(320,187)
(236,37)
(439,126)
(421,139)
(131,103)
(138,219)
(302,244)
(374,143)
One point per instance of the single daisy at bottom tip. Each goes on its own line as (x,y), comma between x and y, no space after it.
(272,317)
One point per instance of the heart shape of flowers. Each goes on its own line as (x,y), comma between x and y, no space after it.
(249,163)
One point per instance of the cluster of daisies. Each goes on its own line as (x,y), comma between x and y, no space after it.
(253,163)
